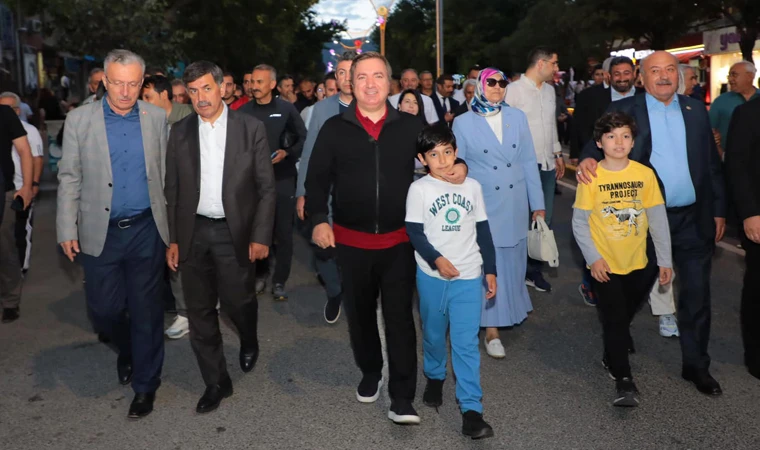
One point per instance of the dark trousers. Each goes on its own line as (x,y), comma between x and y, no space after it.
(23,233)
(124,294)
(390,273)
(750,305)
(618,300)
(283,233)
(692,256)
(210,272)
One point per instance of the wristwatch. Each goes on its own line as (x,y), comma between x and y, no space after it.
(35,184)
(557,155)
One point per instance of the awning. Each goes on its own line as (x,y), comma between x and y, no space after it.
(685,57)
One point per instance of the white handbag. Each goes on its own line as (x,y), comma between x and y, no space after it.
(541,243)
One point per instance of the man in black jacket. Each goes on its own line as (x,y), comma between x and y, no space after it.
(591,103)
(743,175)
(445,105)
(366,154)
(286,134)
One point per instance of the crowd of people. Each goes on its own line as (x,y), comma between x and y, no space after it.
(192,187)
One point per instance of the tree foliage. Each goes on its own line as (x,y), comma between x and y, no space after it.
(236,34)
(93,27)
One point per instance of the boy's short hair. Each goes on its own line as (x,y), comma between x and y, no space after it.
(434,135)
(612,120)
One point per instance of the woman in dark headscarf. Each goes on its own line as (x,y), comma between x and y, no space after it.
(495,141)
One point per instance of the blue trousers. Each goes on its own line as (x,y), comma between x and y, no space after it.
(456,304)
(125,295)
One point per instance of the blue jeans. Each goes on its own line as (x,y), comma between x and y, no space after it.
(548,183)
(456,304)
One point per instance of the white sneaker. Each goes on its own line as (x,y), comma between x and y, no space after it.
(179,328)
(668,326)
(494,348)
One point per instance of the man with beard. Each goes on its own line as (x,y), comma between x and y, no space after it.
(286,134)
(366,157)
(591,103)
(247,89)
(306,96)
(228,89)
(676,141)
(331,106)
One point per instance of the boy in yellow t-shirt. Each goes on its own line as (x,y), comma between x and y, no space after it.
(611,218)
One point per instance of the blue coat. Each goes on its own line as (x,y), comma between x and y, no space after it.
(320,113)
(508,171)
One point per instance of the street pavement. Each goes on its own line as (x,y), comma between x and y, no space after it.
(58,386)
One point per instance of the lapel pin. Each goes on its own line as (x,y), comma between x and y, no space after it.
(689,108)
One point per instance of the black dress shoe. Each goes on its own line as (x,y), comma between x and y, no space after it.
(142,405)
(124,369)
(10,315)
(213,396)
(248,359)
(704,382)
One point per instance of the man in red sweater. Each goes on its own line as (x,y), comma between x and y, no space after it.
(366,155)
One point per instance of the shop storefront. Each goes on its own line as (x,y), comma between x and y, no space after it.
(722,45)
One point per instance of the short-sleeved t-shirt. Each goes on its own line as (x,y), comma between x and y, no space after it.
(35,143)
(449,213)
(618,202)
(10,130)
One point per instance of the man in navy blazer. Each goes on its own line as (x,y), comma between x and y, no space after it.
(445,105)
(675,139)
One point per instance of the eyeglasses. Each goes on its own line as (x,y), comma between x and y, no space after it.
(119,84)
(492,82)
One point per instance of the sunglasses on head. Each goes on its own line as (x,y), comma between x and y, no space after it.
(491,83)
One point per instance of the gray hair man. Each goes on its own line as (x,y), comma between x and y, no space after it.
(687,79)
(741,80)
(111,218)
(96,77)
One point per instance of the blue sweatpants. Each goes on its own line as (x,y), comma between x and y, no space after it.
(456,304)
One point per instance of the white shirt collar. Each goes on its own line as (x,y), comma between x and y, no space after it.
(221,121)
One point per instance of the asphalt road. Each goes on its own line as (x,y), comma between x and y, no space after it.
(58,386)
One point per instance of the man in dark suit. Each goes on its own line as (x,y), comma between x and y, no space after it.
(675,139)
(445,105)
(220,195)
(591,103)
(742,170)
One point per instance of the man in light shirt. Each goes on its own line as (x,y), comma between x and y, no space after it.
(533,94)
(459,94)
(410,80)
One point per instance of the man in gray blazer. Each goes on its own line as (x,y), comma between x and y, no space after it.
(112,219)
(329,107)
